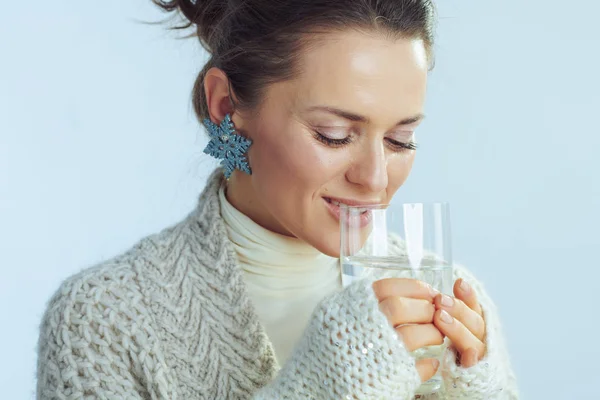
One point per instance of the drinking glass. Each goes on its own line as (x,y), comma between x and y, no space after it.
(399,241)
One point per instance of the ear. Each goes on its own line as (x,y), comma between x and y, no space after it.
(216,90)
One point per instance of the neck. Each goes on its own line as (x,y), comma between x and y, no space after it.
(242,195)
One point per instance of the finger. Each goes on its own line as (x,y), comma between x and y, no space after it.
(404,310)
(459,310)
(403,287)
(465,292)
(427,368)
(421,335)
(461,337)
(469,357)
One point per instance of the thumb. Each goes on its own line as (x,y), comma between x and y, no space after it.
(469,357)
(427,368)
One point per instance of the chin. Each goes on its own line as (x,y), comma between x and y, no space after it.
(323,233)
(330,251)
(328,244)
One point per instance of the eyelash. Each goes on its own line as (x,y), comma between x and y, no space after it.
(398,146)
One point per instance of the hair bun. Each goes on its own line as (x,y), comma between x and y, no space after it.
(206,15)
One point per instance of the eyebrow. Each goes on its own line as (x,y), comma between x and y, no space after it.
(359,118)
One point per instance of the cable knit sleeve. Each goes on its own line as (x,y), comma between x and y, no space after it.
(348,351)
(96,342)
(492,378)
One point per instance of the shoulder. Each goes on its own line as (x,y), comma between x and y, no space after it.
(93,329)
(151,264)
(104,315)
(121,280)
(94,297)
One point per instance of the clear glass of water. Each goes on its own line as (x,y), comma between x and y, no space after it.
(399,241)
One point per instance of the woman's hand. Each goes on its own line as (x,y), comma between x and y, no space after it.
(409,301)
(460,319)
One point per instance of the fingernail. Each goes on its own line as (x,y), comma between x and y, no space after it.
(436,363)
(464,286)
(447,318)
(447,301)
(433,292)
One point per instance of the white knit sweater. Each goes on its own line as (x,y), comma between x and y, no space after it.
(285,277)
(171,319)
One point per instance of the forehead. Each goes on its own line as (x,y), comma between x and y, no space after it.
(366,73)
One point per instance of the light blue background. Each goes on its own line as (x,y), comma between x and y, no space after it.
(99,147)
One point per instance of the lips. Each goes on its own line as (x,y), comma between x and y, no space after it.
(363,219)
(337,204)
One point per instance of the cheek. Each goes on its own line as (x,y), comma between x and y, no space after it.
(293,160)
(399,168)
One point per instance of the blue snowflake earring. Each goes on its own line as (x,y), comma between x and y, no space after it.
(226,145)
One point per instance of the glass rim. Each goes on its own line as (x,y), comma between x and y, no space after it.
(382,206)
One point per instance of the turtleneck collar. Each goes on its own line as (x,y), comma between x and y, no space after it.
(278,263)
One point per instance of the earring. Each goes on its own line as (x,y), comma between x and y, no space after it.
(226,145)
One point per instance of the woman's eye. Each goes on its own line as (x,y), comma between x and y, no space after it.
(402,141)
(338,138)
(333,132)
(331,137)
(400,146)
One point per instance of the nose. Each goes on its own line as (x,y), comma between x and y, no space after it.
(369,169)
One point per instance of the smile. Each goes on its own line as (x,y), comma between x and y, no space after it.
(338,203)
(364,218)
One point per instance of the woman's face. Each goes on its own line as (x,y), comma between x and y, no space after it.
(342,130)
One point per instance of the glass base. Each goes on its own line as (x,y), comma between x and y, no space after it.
(433,385)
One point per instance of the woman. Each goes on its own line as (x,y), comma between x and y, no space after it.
(317,102)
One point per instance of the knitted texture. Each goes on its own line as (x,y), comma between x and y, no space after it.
(348,351)
(171,319)
(491,378)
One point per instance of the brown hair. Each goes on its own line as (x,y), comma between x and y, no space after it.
(258,42)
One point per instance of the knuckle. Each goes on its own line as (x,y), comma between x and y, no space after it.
(391,307)
(385,307)
(404,333)
(379,288)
